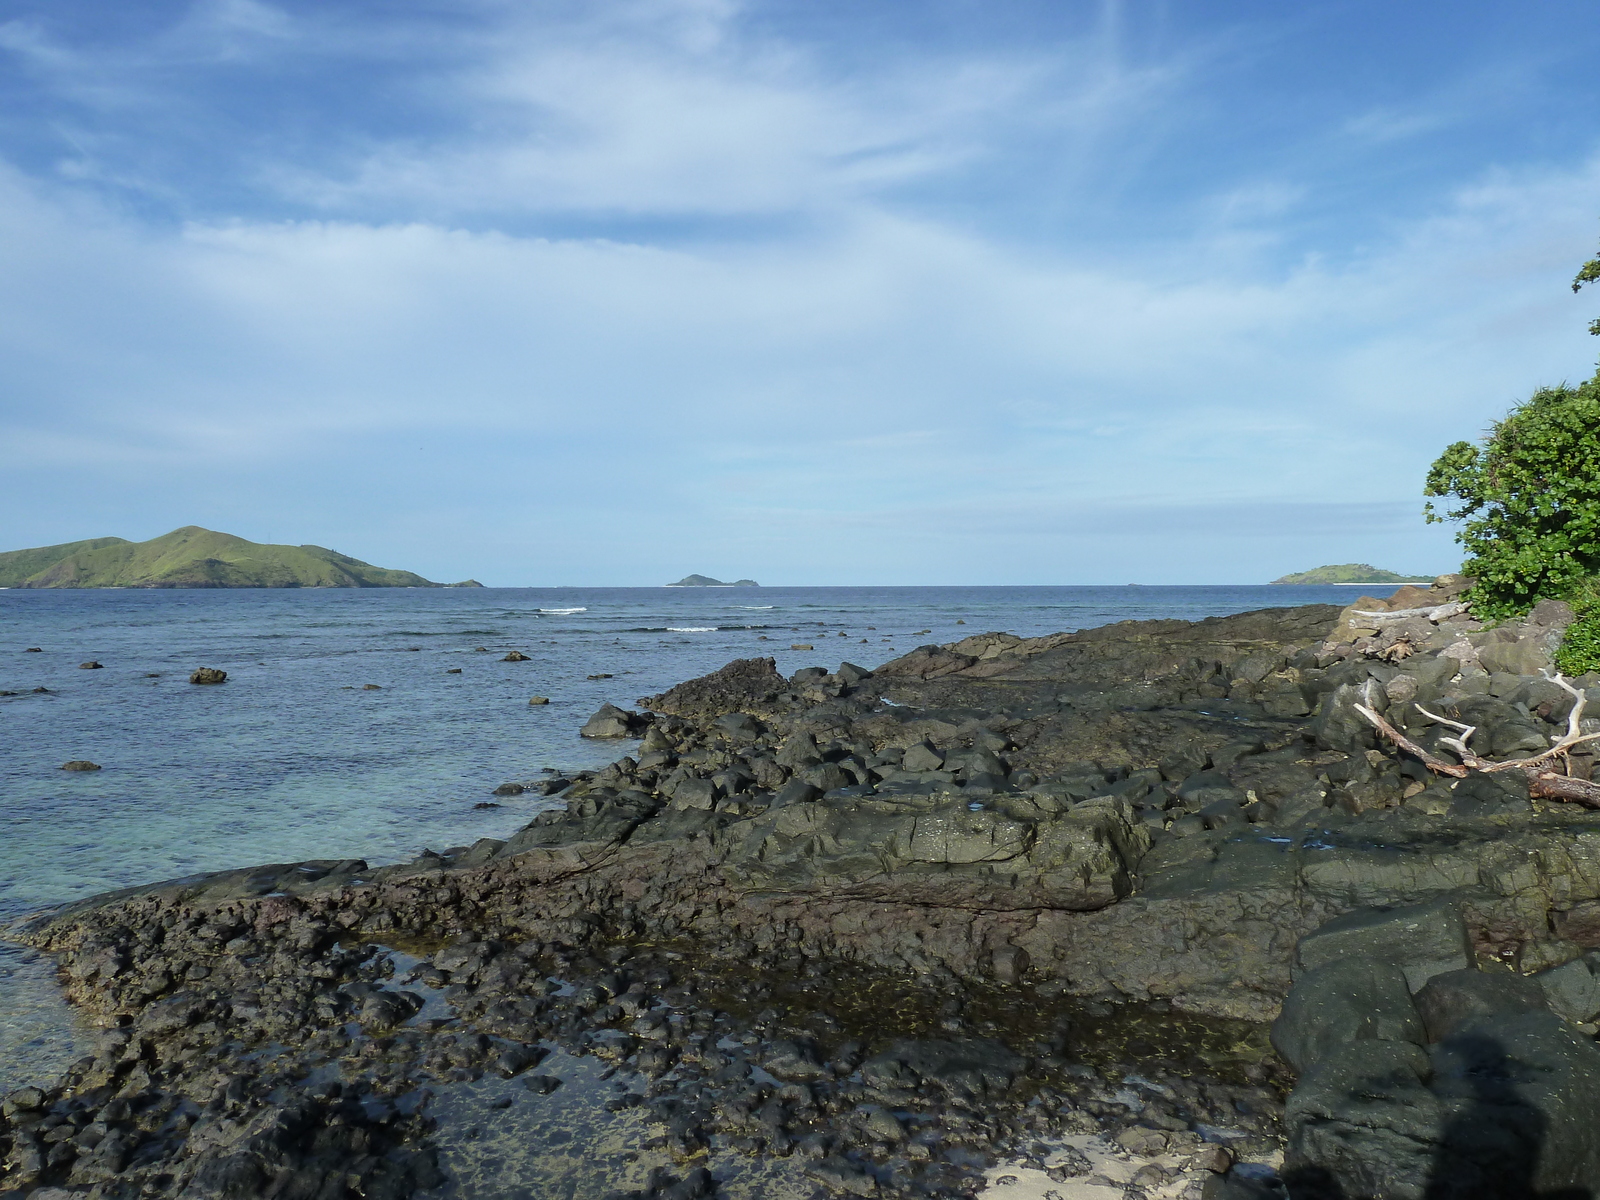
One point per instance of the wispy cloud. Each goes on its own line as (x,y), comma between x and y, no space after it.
(635,269)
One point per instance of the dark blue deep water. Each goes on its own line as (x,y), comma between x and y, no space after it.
(295,758)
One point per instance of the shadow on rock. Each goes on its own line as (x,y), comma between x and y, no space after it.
(1496,1145)
(1468,1088)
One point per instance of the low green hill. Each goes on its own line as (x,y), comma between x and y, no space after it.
(707,581)
(1352,573)
(192,557)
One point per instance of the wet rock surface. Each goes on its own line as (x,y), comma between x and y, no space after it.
(871,933)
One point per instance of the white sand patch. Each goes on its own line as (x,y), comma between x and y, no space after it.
(1173,1175)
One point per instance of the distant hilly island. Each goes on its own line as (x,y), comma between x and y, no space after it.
(192,557)
(1352,573)
(707,581)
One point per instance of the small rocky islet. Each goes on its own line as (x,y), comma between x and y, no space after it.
(1144,911)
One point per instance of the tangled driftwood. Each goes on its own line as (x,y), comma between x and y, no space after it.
(1542,782)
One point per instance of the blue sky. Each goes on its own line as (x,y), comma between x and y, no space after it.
(814,292)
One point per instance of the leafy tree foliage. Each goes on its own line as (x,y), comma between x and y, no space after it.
(1529,498)
(1529,501)
(1589,273)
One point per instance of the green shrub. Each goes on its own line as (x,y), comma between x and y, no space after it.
(1528,498)
(1580,649)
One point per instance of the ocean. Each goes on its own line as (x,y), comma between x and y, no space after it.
(299,756)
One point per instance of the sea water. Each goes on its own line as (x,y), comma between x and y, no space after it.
(297,757)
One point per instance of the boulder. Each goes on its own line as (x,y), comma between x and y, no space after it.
(80,764)
(696,793)
(1338,726)
(1423,940)
(1184,763)
(1344,1001)
(1490,795)
(91,665)
(1010,964)
(1571,990)
(385,1009)
(515,656)
(537,700)
(924,756)
(1208,787)
(1580,924)
(612,722)
(1525,656)
(1519,1094)
(208,675)
(796,791)
(827,777)
(797,1060)
(799,750)
(1451,1000)
(739,726)
(1361,1123)
(749,685)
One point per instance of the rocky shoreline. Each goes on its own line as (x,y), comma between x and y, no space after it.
(877,930)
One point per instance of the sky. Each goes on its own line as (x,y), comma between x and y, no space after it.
(814,292)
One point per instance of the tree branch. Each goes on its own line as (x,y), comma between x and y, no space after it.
(1547,785)
(1542,783)
(1399,739)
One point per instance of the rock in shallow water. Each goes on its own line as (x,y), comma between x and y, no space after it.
(612,722)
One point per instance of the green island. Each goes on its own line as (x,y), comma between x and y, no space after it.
(707,581)
(1351,573)
(192,557)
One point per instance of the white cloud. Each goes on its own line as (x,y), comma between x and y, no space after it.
(862,371)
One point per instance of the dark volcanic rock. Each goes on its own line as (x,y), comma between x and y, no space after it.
(746,685)
(612,722)
(1155,813)
(1341,1002)
(208,675)
(1490,1109)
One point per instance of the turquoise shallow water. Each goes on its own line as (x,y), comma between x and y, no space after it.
(295,758)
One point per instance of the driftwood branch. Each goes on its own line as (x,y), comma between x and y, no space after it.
(1437,613)
(1458,743)
(1542,782)
(1547,785)
(1399,739)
